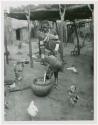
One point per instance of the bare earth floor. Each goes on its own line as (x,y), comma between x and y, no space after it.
(55,106)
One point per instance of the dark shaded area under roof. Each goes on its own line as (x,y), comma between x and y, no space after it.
(51,12)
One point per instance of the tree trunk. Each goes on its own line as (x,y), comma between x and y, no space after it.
(62,28)
(29,38)
(76,32)
(5,40)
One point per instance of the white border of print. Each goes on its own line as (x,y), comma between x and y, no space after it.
(93,122)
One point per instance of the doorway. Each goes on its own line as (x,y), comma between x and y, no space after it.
(18,34)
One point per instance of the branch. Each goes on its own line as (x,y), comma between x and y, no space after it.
(60,10)
(90,8)
(62,14)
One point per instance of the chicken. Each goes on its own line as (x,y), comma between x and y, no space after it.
(32,109)
(73,94)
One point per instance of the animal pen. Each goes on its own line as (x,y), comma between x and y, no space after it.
(71,19)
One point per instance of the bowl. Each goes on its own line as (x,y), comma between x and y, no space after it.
(40,88)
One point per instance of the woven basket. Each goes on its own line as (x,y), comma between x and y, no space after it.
(40,88)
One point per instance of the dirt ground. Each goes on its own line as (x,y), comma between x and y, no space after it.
(54,106)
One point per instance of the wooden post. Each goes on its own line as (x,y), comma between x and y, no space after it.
(56,28)
(39,47)
(5,38)
(66,34)
(29,39)
(62,15)
(92,12)
(76,32)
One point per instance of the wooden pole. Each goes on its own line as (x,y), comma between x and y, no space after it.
(76,32)
(57,28)
(29,39)
(5,39)
(39,47)
(66,34)
(92,15)
(62,15)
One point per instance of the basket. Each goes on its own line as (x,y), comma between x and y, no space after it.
(40,88)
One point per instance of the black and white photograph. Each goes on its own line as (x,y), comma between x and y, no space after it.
(48,61)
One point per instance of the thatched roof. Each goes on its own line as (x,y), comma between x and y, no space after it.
(51,12)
